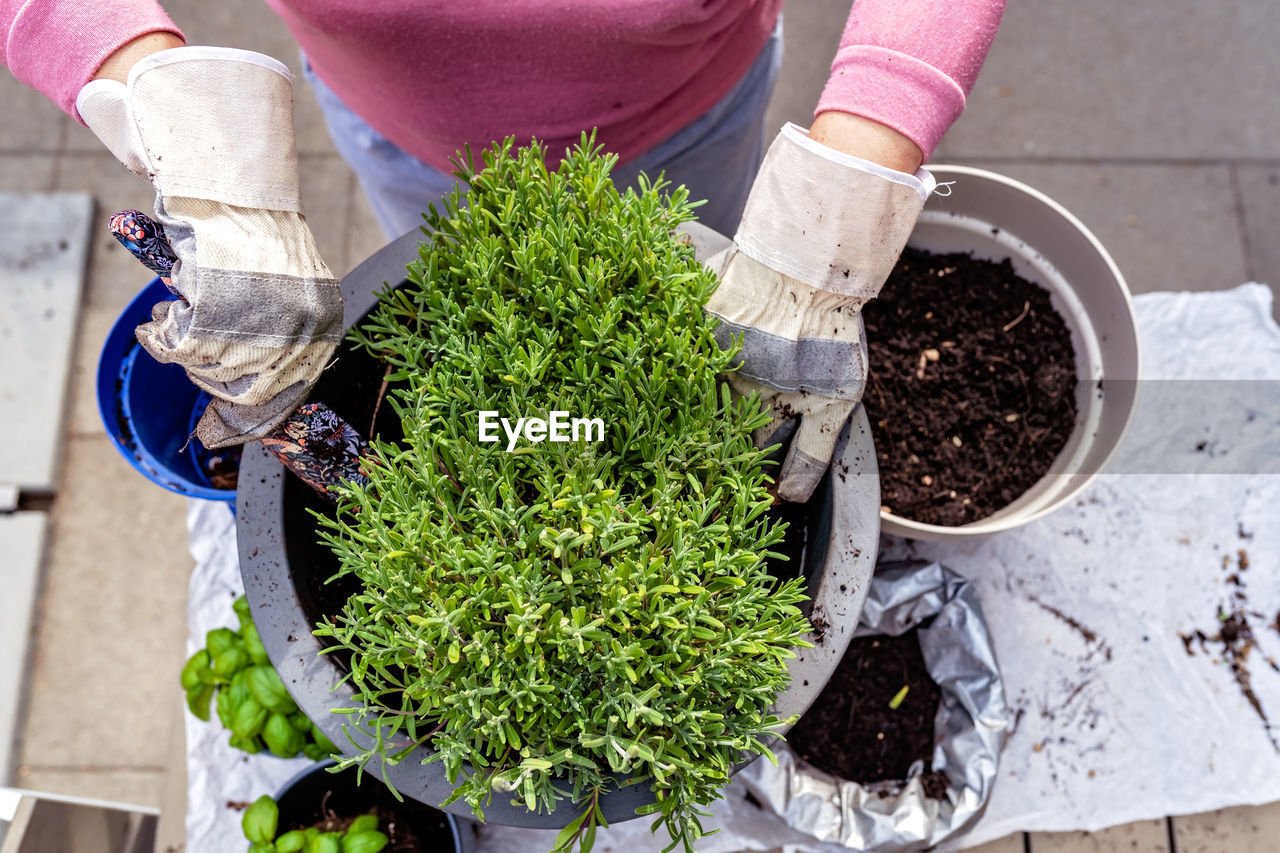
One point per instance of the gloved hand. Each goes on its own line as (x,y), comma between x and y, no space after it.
(820,234)
(261,313)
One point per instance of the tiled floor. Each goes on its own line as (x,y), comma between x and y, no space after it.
(1155,121)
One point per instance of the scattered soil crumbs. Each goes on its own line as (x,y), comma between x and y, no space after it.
(852,732)
(1090,637)
(1234,641)
(971,390)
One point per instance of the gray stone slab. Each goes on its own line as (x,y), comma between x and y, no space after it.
(1168,227)
(364,235)
(42,269)
(114,275)
(144,787)
(22,543)
(1260,200)
(1094,78)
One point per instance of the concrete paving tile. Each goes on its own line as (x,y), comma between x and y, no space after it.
(112,619)
(1093,78)
(42,271)
(32,123)
(114,275)
(364,235)
(1168,227)
(22,539)
(1015,843)
(26,172)
(811,34)
(1260,199)
(171,829)
(134,787)
(1147,836)
(1245,828)
(326,194)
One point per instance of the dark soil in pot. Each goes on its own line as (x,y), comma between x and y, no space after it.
(331,802)
(853,730)
(352,387)
(792,545)
(971,388)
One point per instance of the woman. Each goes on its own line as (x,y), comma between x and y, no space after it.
(672,85)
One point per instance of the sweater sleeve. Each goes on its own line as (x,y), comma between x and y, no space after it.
(56,46)
(909,64)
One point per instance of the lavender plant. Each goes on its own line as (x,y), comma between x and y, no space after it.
(551,619)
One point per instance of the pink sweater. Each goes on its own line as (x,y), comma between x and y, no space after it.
(431,77)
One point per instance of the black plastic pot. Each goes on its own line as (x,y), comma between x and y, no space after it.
(843,534)
(306,799)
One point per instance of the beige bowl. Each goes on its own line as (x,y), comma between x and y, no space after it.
(995,217)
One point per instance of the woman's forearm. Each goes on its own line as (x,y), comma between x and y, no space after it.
(57,47)
(118,64)
(908,65)
(870,140)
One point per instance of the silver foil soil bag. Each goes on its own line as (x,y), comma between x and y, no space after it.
(969,728)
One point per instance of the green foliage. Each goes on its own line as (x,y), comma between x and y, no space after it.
(550,619)
(233,673)
(261,820)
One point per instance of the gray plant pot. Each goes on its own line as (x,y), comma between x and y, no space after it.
(844,535)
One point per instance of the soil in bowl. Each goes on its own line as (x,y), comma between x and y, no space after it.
(331,802)
(971,388)
(863,727)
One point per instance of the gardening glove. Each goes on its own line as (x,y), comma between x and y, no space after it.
(820,234)
(260,314)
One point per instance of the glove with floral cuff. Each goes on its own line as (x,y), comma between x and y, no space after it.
(260,313)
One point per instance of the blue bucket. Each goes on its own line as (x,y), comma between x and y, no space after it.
(150,409)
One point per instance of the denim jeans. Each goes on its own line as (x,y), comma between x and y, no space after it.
(716,156)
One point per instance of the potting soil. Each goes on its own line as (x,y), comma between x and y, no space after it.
(791,549)
(864,727)
(354,388)
(971,386)
(401,836)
